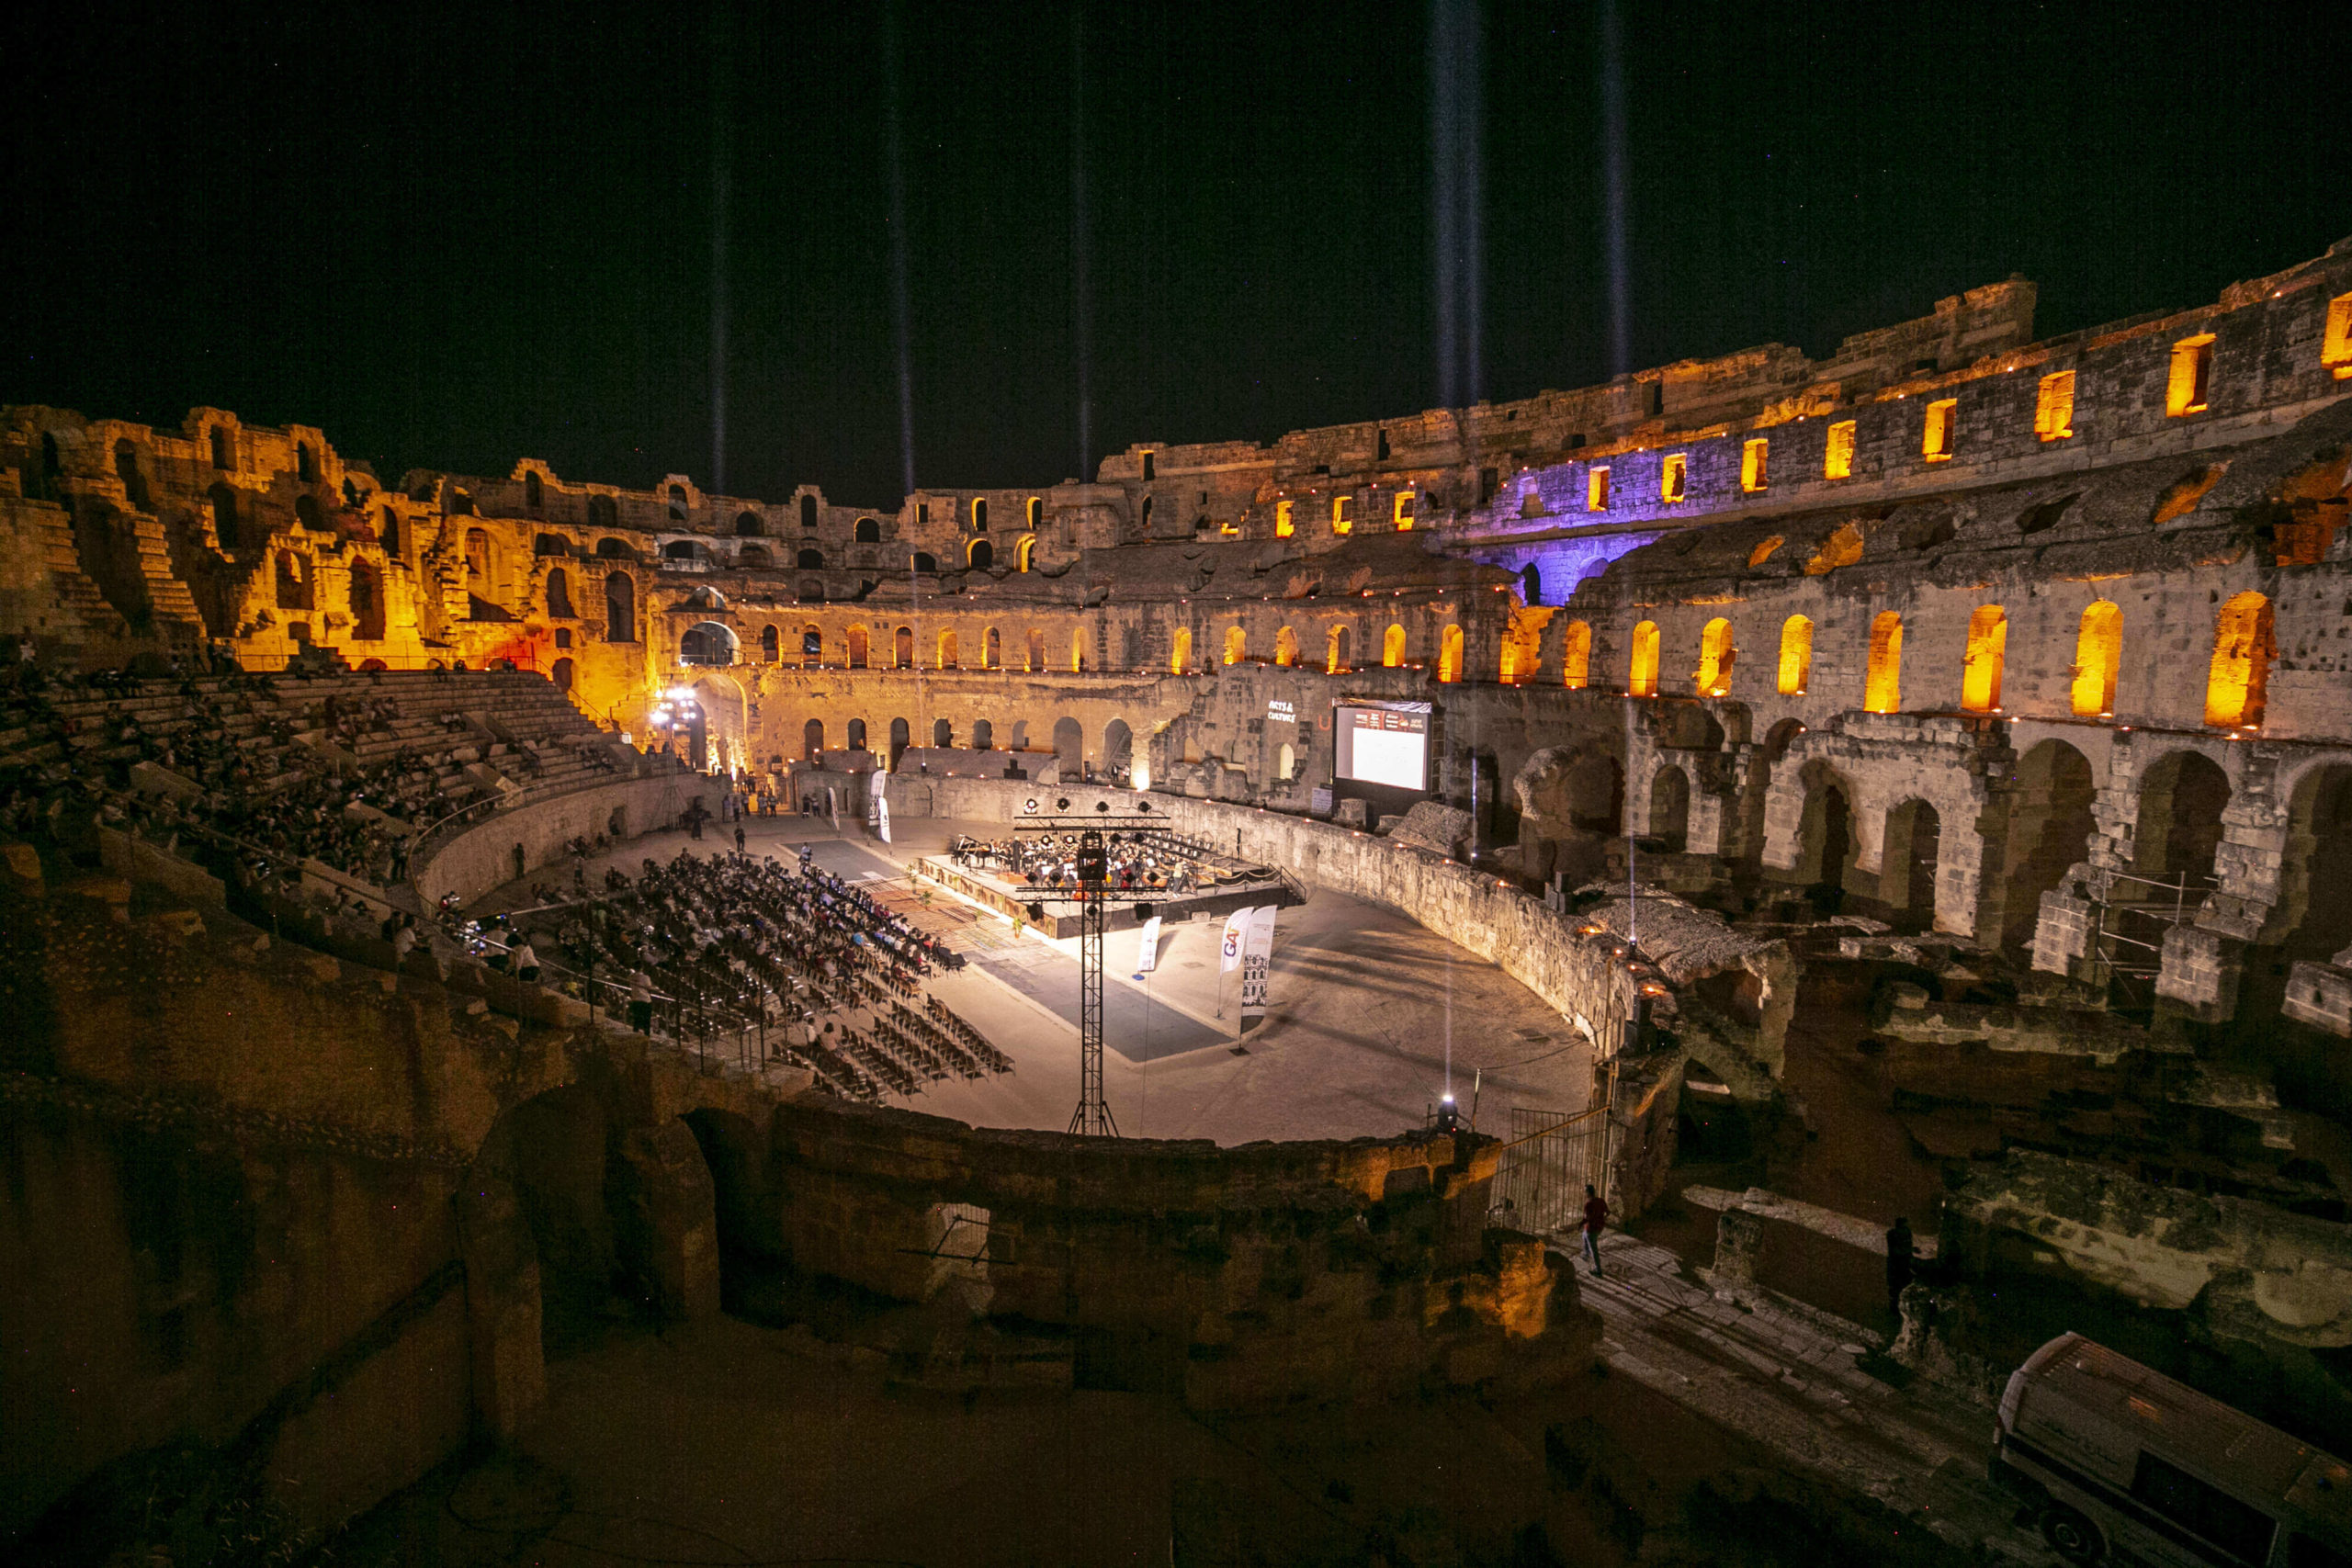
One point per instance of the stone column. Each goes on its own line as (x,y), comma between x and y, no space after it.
(509,1366)
(666,1220)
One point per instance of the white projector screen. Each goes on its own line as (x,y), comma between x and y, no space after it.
(1384,746)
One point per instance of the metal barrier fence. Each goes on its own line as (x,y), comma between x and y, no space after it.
(1545,1166)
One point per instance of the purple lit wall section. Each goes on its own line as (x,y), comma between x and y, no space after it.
(1561,564)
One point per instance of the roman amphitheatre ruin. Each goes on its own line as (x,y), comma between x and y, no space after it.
(1785,792)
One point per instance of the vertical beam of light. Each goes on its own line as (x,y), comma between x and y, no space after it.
(1612,142)
(1081,298)
(899,322)
(1456,178)
(719,190)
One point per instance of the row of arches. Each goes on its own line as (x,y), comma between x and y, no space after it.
(2236,681)
(1116,756)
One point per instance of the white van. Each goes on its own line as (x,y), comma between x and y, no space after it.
(2129,1463)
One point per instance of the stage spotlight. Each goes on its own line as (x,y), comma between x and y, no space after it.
(1062,805)
(1101,805)
(1143,805)
(1143,913)
(1036,913)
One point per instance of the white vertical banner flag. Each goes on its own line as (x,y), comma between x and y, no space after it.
(1229,954)
(1257,958)
(874,797)
(883,821)
(1148,955)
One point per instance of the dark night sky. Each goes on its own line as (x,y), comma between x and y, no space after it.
(453,241)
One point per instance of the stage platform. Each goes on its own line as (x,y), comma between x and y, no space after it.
(988,885)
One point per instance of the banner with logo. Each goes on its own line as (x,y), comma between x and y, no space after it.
(1257,959)
(1148,956)
(1229,954)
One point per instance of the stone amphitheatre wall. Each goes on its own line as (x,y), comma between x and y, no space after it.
(325,1222)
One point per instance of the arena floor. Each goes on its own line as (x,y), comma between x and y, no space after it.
(1368,1012)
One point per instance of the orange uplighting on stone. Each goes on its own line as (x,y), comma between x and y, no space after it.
(1641,677)
(1796,655)
(1935,442)
(1596,491)
(1763,552)
(1392,646)
(1980,679)
(1882,689)
(2099,653)
(1673,476)
(1449,656)
(2053,407)
(1285,647)
(2190,380)
(2336,347)
(1237,642)
(1837,458)
(1286,519)
(1715,658)
(1576,655)
(2243,649)
(1753,475)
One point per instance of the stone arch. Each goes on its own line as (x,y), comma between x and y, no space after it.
(1078,651)
(2098,659)
(856,734)
(562,673)
(983,734)
(810,560)
(1796,656)
(1036,651)
(812,645)
(306,513)
(943,733)
(947,651)
(614,549)
(1988,639)
(1025,553)
(1392,646)
(1641,670)
(2239,678)
(1236,643)
(771,646)
(812,739)
(991,649)
(1908,864)
(1715,659)
(2050,829)
(366,599)
(535,492)
(708,642)
(1670,808)
(751,557)
(1335,660)
(2178,826)
(558,591)
(749,524)
(603,511)
(900,736)
(1882,685)
(1285,762)
(2313,919)
(1829,841)
(902,649)
(1180,654)
(1118,748)
(620,608)
(1576,655)
(860,646)
(1069,747)
(1450,655)
(291,580)
(867,532)
(1285,647)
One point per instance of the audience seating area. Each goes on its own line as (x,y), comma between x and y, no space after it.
(797,964)
(345,768)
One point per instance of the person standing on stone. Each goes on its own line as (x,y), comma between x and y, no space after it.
(1899,1247)
(640,1003)
(739,835)
(1596,1217)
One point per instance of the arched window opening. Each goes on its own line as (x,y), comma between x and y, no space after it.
(560,673)
(292,585)
(923,560)
(1285,647)
(462,503)
(1037,652)
(860,647)
(1796,656)
(1449,656)
(1069,748)
(1343,510)
(1907,865)
(560,594)
(126,469)
(868,531)
(677,495)
(1179,655)
(2099,655)
(981,556)
(1335,660)
(1404,511)
(390,533)
(1078,651)
(1641,674)
(1882,685)
(1575,656)
(1237,643)
(224,516)
(771,646)
(899,737)
(811,561)
(750,525)
(615,549)
(807,514)
(856,737)
(306,463)
(979,515)
(983,734)
(535,493)
(366,603)
(224,456)
(991,650)
(1027,555)
(947,656)
(1286,519)
(707,642)
(1118,748)
(812,645)
(1286,763)
(943,733)
(2182,799)
(1036,515)
(2243,649)
(1980,679)
(1670,808)
(1715,658)
(902,649)
(1392,646)
(620,608)
(603,511)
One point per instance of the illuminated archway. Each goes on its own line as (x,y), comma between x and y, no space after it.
(1392,646)
(1576,655)
(1796,656)
(1882,686)
(1180,656)
(1449,656)
(1715,659)
(1237,641)
(2098,656)
(1285,647)
(1335,660)
(1641,669)
(1980,680)
(2242,648)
